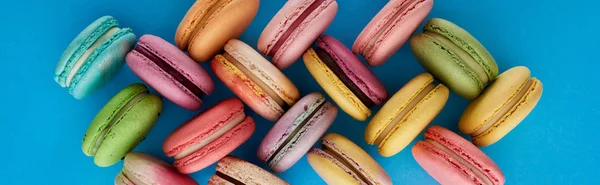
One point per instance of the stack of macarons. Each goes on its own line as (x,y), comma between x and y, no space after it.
(455,62)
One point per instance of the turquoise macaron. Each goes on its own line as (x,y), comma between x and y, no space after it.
(95,56)
(121,124)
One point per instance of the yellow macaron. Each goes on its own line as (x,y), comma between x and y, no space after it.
(406,114)
(501,107)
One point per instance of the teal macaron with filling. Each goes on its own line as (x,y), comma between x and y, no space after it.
(454,57)
(95,56)
(121,124)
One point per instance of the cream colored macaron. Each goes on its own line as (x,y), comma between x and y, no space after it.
(501,107)
(406,114)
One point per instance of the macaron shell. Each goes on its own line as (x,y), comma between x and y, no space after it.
(246,172)
(493,99)
(334,87)
(355,69)
(151,170)
(393,38)
(437,167)
(331,172)
(302,37)
(120,179)
(226,23)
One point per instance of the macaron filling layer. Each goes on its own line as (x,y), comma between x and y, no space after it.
(214,136)
(298,128)
(79,63)
(295,25)
(333,153)
(202,22)
(407,108)
(480,174)
(257,81)
(337,70)
(131,177)
(166,66)
(228,178)
(512,103)
(116,118)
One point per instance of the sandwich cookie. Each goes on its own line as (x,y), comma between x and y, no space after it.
(233,170)
(141,169)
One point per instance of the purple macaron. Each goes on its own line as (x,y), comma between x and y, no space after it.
(170,71)
(296,132)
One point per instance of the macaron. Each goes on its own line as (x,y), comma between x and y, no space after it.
(406,114)
(94,57)
(170,71)
(294,28)
(390,29)
(454,57)
(501,107)
(209,24)
(451,159)
(347,80)
(121,124)
(233,170)
(255,80)
(140,168)
(209,136)
(343,162)
(296,132)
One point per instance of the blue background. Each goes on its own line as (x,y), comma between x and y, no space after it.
(43,125)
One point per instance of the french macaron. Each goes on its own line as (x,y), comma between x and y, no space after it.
(143,169)
(94,57)
(209,136)
(170,71)
(233,170)
(451,159)
(454,57)
(255,80)
(121,124)
(296,132)
(390,29)
(501,107)
(343,162)
(209,24)
(406,114)
(294,28)
(347,80)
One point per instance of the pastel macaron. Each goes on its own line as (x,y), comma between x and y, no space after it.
(294,28)
(140,168)
(406,114)
(296,132)
(451,159)
(209,24)
(233,170)
(347,80)
(209,136)
(501,107)
(94,57)
(341,161)
(170,71)
(454,57)
(255,80)
(121,124)
(390,29)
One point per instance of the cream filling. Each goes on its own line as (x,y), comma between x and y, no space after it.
(220,132)
(116,118)
(387,26)
(88,52)
(403,113)
(505,109)
(341,159)
(462,161)
(462,54)
(204,20)
(131,177)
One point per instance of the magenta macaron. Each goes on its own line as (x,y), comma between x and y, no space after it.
(296,132)
(140,168)
(170,71)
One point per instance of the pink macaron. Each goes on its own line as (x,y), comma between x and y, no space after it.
(296,132)
(140,168)
(170,71)
(210,136)
(390,29)
(294,28)
(451,159)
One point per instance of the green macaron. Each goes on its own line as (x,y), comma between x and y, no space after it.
(121,124)
(454,57)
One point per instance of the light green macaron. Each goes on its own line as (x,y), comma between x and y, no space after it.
(454,57)
(121,124)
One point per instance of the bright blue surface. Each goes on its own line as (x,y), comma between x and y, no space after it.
(43,125)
